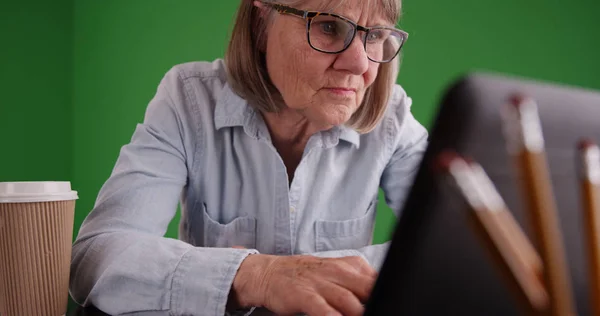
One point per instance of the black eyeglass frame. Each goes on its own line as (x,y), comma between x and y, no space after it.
(310,15)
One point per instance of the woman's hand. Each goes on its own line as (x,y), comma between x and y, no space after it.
(304,284)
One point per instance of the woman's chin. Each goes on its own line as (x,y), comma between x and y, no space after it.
(336,116)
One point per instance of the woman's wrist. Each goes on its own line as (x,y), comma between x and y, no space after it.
(248,285)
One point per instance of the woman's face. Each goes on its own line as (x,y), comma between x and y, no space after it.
(325,88)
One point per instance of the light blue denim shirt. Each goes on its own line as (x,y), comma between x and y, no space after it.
(202,145)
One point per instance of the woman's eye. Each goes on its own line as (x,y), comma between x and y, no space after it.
(373,36)
(328,27)
(376,36)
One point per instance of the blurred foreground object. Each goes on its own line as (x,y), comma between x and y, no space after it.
(435,263)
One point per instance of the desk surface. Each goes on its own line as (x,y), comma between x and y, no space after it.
(91,311)
(80,311)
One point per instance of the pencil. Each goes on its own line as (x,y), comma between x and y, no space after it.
(589,154)
(525,251)
(526,144)
(488,216)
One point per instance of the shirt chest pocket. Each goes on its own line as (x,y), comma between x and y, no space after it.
(348,234)
(241,231)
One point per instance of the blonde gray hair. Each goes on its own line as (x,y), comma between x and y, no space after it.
(247,71)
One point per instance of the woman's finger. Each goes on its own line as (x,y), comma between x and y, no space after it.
(342,299)
(314,304)
(348,277)
(361,265)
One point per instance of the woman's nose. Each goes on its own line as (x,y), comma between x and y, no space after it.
(354,59)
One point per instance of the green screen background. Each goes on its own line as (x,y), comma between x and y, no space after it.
(77,75)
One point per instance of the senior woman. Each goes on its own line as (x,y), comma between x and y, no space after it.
(276,155)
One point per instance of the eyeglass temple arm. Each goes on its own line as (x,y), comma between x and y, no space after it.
(286,10)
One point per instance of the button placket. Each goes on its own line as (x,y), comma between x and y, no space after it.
(295,193)
(293,202)
(283,242)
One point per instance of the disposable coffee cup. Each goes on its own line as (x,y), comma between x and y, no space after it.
(36,231)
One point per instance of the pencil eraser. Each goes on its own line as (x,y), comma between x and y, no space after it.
(586,143)
(444,160)
(517,99)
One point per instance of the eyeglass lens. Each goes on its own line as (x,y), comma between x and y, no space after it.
(333,34)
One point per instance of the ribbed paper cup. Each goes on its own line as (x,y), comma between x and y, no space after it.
(36,229)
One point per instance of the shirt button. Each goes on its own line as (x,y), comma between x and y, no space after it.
(292,209)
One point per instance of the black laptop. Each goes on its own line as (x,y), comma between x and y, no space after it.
(436,265)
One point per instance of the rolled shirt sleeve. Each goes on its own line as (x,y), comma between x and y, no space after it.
(120,261)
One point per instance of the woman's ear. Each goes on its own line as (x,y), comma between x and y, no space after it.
(258,4)
(261,24)
(261,7)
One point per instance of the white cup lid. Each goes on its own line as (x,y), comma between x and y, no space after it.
(24,192)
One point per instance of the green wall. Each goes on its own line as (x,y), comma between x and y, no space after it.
(35,90)
(546,39)
(121,49)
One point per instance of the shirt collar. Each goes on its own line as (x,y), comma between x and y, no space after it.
(231,110)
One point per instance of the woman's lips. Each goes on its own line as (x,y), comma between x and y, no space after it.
(341,91)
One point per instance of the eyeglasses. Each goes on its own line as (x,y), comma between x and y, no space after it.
(332,34)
